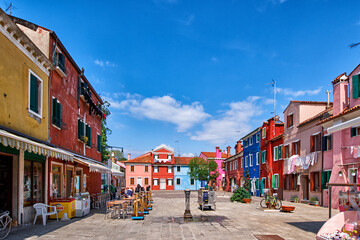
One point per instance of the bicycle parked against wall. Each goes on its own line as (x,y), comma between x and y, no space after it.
(271,202)
(5,224)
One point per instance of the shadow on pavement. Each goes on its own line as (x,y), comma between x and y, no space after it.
(313,227)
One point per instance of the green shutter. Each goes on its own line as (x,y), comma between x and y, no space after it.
(273,181)
(88,135)
(60,115)
(355,86)
(34,94)
(54,112)
(353,132)
(323,180)
(280,152)
(99,143)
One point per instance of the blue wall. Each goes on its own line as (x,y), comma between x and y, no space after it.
(184,179)
(248,149)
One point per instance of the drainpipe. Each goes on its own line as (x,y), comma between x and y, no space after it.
(322,162)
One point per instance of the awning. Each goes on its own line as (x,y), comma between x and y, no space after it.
(15,141)
(341,126)
(120,164)
(117,173)
(93,165)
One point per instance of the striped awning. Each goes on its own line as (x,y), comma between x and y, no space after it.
(15,141)
(93,165)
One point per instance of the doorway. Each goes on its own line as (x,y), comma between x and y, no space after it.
(306,187)
(69,178)
(139,181)
(6,183)
(162,184)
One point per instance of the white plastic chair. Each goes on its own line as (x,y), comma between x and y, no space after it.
(41,209)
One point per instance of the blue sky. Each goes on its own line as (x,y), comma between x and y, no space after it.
(193,74)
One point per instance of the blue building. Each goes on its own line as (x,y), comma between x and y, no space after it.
(182,179)
(251,156)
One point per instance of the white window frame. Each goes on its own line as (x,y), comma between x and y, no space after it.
(276,154)
(257,137)
(278,181)
(251,142)
(178,168)
(246,161)
(40,106)
(251,158)
(167,182)
(257,158)
(177,181)
(156,169)
(157,182)
(235,163)
(169,168)
(263,132)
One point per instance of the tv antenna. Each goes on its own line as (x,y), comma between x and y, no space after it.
(10,7)
(273,83)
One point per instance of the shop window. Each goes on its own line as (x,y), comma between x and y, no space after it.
(33,182)
(315,143)
(178,181)
(355,131)
(35,94)
(327,142)
(132,181)
(290,120)
(178,168)
(169,181)
(78,181)
(56,113)
(356,86)
(192,181)
(132,168)
(315,181)
(325,178)
(146,168)
(169,169)
(98,142)
(146,181)
(56,172)
(287,151)
(263,132)
(257,158)
(155,182)
(251,160)
(276,154)
(156,169)
(296,148)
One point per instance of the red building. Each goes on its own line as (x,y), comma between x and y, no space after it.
(75,119)
(234,171)
(271,146)
(163,168)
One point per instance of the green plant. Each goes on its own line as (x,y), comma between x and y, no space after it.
(200,169)
(247,184)
(240,194)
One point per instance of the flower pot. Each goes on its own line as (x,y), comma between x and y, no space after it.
(247,200)
(287,208)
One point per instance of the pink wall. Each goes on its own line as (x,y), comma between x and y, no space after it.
(219,162)
(139,171)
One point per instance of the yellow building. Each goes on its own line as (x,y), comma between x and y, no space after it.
(24,123)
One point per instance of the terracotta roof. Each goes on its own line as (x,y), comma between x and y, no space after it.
(277,137)
(145,158)
(317,116)
(213,154)
(344,112)
(182,160)
(337,79)
(310,102)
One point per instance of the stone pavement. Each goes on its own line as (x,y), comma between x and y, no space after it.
(229,221)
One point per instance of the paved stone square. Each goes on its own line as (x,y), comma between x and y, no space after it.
(229,221)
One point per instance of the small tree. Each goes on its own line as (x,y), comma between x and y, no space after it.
(247,184)
(240,194)
(105,132)
(200,169)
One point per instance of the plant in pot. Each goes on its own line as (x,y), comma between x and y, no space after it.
(241,195)
(353,172)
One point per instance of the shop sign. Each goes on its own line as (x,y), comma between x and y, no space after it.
(59,207)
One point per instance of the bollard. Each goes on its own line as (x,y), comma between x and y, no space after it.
(187,213)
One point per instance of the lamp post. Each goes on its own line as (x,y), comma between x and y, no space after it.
(187,213)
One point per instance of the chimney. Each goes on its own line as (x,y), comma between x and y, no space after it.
(129,156)
(340,94)
(328,99)
(228,151)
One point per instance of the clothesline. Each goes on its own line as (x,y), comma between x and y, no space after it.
(296,162)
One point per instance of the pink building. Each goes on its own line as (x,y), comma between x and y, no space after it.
(138,171)
(303,161)
(218,156)
(344,125)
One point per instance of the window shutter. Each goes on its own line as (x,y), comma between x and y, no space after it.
(330,142)
(90,140)
(54,101)
(273,181)
(33,94)
(324,143)
(60,115)
(323,180)
(355,86)
(312,144)
(280,152)
(79,129)
(312,181)
(353,132)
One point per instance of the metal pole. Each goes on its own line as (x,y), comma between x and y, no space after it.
(329,201)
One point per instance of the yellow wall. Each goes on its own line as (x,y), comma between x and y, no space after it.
(14,83)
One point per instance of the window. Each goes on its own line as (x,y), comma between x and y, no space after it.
(192,181)
(156,156)
(325,178)
(169,169)
(355,86)
(257,158)
(146,181)
(280,150)
(132,181)
(263,132)
(353,175)
(81,132)
(257,137)
(355,131)
(55,187)
(251,160)
(287,151)
(276,154)
(290,120)
(275,181)
(246,143)
(78,180)
(33,182)
(315,181)
(98,142)
(56,113)
(315,143)
(178,168)
(155,182)
(263,156)
(35,94)
(59,62)
(246,161)
(294,182)
(257,183)
(235,165)
(169,157)
(156,169)
(132,168)
(169,181)
(88,135)
(146,168)
(287,182)
(296,148)
(327,142)
(178,181)
(251,141)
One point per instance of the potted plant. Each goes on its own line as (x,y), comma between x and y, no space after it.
(314,201)
(241,195)
(84,139)
(353,172)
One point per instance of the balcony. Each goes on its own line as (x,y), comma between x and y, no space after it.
(59,63)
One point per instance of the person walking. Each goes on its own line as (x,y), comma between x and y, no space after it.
(112,191)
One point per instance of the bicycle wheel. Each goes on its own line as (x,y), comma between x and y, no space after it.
(5,227)
(278,204)
(263,203)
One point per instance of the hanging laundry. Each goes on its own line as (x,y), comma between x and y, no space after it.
(307,161)
(253,186)
(354,151)
(298,180)
(358,147)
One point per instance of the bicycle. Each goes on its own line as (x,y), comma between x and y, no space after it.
(5,224)
(271,202)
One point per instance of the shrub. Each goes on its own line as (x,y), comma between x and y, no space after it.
(240,194)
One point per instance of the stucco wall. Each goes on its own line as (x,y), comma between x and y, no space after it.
(184,179)
(139,171)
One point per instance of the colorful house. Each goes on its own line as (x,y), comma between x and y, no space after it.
(234,169)
(303,162)
(218,156)
(251,155)
(163,166)
(139,171)
(271,146)
(181,176)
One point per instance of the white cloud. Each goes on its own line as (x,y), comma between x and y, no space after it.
(188,155)
(233,123)
(166,109)
(292,93)
(104,63)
